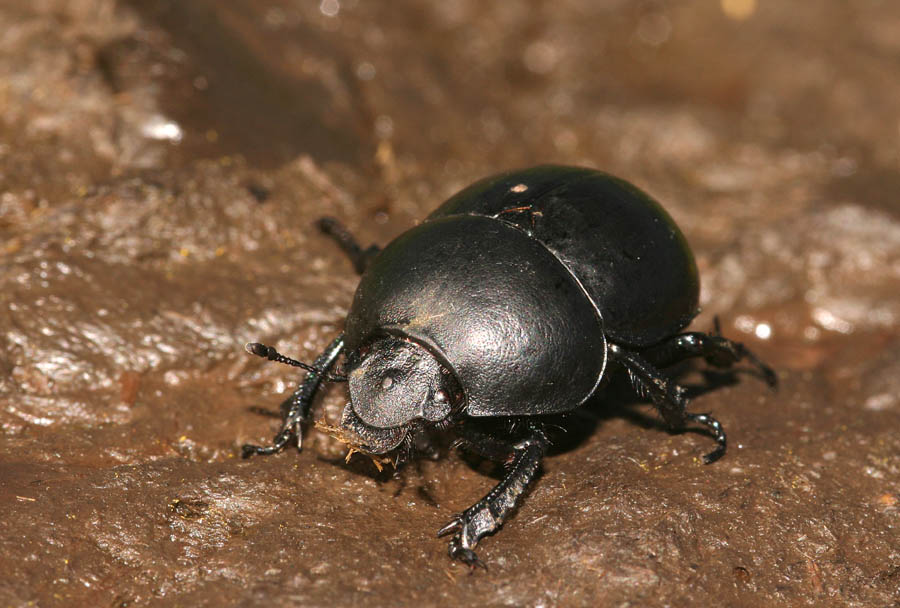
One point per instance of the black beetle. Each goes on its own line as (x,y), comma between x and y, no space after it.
(515,298)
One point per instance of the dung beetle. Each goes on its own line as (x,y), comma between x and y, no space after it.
(516,298)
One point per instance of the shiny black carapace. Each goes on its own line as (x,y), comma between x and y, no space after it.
(515,298)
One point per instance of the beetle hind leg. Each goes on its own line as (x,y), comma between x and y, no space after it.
(359,257)
(715,349)
(668,397)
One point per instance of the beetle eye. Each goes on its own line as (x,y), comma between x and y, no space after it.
(387,382)
(440,396)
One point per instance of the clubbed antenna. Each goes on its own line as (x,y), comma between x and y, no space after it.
(269,352)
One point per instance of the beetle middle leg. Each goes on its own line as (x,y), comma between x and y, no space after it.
(668,397)
(359,257)
(487,515)
(296,407)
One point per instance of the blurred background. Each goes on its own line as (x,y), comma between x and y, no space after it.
(161,167)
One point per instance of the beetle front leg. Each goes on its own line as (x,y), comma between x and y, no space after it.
(668,397)
(296,407)
(488,514)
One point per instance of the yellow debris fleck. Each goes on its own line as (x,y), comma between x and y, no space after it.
(738,10)
(887,500)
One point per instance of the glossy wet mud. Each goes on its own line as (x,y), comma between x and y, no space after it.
(161,168)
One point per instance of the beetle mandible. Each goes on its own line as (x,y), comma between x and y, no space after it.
(514,299)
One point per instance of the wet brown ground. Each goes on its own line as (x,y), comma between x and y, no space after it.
(161,164)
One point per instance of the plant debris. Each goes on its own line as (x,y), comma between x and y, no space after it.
(353,445)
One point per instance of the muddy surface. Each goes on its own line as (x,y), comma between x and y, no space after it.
(161,164)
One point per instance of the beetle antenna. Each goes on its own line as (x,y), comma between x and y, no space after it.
(269,352)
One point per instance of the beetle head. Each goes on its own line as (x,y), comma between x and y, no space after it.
(397,385)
